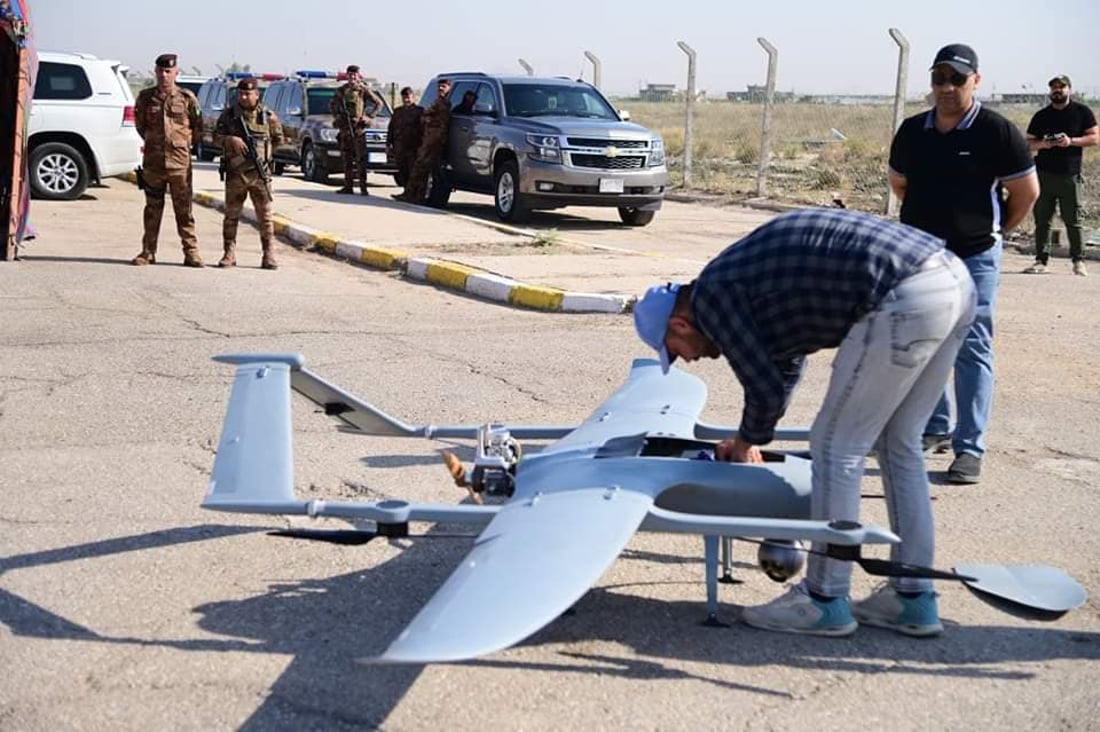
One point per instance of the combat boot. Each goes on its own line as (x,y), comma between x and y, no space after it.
(191,258)
(146,257)
(268,260)
(229,259)
(363,186)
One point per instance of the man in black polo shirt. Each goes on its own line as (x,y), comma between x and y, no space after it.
(951,167)
(1057,133)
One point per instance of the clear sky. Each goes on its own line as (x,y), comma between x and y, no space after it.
(825,46)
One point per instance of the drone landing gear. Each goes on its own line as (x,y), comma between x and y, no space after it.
(710,560)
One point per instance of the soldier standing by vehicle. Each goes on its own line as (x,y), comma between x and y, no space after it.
(403,135)
(434,122)
(247,133)
(353,106)
(169,122)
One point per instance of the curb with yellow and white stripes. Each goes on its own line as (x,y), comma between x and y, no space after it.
(439,272)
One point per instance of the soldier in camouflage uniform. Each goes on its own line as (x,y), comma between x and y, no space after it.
(403,135)
(169,122)
(353,106)
(242,179)
(434,123)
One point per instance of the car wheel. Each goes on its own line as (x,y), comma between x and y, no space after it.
(311,168)
(439,189)
(278,168)
(635,217)
(58,172)
(507,199)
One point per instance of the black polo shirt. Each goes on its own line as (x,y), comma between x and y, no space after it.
(953,180)
(1073,120)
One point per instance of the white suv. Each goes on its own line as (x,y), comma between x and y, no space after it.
(81,124)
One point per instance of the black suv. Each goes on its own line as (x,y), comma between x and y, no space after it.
(302,105)
(214,96)
(539,143)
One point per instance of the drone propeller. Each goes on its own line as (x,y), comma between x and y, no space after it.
(344,537)
(1033,592)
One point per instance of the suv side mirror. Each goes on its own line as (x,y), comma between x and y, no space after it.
(216,107)
(624,115)
(484,109)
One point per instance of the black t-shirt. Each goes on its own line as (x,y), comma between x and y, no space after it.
(1073,120)
(953,179)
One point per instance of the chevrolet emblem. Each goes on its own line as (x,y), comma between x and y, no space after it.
(611,151)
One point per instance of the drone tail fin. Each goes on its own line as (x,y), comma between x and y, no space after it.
(254,468)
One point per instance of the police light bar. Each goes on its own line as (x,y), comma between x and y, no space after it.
(239,75)
(314,74)
(272,77)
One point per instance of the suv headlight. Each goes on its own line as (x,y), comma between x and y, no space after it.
(328,134)
(546,148)
(375,136)
(656,152)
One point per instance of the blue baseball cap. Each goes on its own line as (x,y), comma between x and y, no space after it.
(651,315)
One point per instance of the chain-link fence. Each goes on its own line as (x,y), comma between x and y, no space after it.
(823,149)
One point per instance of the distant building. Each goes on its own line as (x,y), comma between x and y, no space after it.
(757,94)
(658,93)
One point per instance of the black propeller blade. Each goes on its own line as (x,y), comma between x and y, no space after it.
(344,537)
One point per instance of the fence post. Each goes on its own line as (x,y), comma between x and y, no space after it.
(689,111)
(527,67)
(595,67)
(899,105)
(766,125)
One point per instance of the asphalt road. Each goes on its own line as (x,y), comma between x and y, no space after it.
(125,606)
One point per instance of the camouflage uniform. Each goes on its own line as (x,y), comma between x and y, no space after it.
(169,125)
(434,122)
(351,103)
(403,139)
(243,180)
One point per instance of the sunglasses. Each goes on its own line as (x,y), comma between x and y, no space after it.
(940,78)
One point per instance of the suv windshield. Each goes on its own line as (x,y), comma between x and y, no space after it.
(557,100)
(319,98)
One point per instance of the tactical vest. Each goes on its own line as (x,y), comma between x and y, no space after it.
(257,125)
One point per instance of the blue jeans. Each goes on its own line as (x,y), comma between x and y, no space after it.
(974,365)
(887,375)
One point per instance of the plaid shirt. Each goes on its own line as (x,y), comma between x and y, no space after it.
(794,286)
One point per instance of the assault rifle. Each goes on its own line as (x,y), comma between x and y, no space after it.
(253,155)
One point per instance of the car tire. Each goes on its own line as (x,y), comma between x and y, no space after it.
(635,216)
(311,168)
(278,168)
(439,189)
(205,153)
(507,200)
(58,172)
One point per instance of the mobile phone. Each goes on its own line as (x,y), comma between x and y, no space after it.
(1054,137)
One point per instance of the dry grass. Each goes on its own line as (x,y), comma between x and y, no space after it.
(810,162)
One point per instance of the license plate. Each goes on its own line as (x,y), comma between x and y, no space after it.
(611,185)
(376,157)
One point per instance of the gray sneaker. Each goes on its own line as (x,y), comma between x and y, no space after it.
(936,443)
(885,608)
(965,469)
(1079,269)
(1037,268)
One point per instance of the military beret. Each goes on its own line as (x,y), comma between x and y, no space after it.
(247,85)
(167,60)
(353,69)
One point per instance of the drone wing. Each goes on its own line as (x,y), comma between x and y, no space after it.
(535,559)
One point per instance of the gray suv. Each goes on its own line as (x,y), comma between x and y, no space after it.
(541,143)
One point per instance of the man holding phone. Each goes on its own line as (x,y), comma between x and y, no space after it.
(1057,133)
